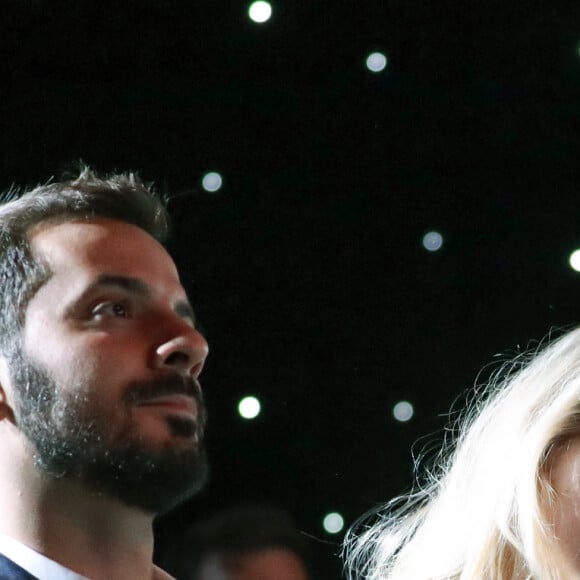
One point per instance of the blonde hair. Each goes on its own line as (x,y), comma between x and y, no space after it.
(485,511)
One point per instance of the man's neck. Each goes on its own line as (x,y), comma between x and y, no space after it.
(93,535)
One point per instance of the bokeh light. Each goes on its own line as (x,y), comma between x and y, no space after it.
(212,181)
(333,523)
(376,62)
(403,411)
(432,241)
(249,407)
(260,11)
(575,260)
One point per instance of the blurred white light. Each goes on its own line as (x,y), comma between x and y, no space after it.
(376,62)
(260,11)
(575,260)
(403,411)
(432,241)
(249,407)
(211,181)
(333,523)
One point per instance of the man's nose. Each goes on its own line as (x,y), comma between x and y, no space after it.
(184,352)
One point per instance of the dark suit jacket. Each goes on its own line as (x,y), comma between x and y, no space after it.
(10,571)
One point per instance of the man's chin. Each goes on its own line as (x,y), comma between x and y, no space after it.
(154,482)
(138,473)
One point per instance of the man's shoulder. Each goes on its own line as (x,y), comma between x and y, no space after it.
(11,571)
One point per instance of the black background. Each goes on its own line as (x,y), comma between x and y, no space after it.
(307,269)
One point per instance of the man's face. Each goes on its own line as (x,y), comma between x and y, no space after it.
(104,385)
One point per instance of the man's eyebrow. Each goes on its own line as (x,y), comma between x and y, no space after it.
(136,286)
(183,308)
(123,282)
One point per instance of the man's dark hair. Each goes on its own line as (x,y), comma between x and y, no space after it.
(234,532)
(122,197)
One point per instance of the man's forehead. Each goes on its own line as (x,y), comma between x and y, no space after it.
(89,248)
(90,238)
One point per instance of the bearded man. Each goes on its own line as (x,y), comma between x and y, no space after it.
(101,412)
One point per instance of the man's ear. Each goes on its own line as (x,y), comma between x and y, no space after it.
(6,411)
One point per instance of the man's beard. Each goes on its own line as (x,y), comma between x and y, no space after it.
(71,434)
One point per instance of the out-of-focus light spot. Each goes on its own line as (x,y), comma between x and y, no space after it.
(376,62)
(211,181)
(333,523)
(260,11)
(575,260)
(249,407)
(403,411)
(432,241)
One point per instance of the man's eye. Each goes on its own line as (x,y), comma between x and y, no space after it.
(117,309)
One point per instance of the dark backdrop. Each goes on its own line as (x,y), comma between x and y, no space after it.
(307,269)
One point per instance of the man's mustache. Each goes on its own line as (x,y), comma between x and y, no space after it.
(142,391)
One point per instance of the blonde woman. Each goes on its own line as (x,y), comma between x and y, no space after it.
(503,500)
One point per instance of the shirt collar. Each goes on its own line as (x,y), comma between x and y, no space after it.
(35,563)
(46,569)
